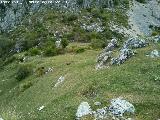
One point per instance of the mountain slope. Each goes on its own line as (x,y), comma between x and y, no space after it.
(136,81)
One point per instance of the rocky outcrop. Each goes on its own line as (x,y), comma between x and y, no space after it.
(105,59)
(105,56)
(12,12)
(115,111)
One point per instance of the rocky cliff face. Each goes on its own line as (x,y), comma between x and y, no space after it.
(13,11)
(142,16)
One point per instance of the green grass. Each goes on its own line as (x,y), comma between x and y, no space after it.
(134,80)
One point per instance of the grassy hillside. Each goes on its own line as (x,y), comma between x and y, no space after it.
(137,81)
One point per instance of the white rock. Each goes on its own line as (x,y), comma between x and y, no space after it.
(119,106)
(155,53)
(97,103)
(1,118)
(83,109)
(41,108)
(60,80)
(58,43)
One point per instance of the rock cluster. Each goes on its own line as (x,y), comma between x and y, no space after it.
(126,52)
(123,56)
(119,107)
(106,54)
(116,110)
(134,43)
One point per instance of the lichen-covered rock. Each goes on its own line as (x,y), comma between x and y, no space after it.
(101,114)
(156,39)
(106,54)
(113,44)
(123,56)
(83,109)
(119,106)
(103,58)
(154,54)
(134,43)
(115,111)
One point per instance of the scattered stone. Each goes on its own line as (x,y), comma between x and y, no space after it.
(83,109)
(60,80)
(154,54)
(97,103)
(41,108)
(49,70)
(119,107)
(101,114)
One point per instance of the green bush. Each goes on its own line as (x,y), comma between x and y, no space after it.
(64,43)
(34,51)
(96,13)
(154,33)
(60,51)
(50,51)
(10,60)
(97,43)
(80,50)
(49,48)
(23,72)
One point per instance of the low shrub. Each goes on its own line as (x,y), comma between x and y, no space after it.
(23,72)
(97,43)
(34,51)
(50,51)
(64,43)
(154,33)
(10,60)
(60,51)
(80,50)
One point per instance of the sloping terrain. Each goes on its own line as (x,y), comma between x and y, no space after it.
(48,58)
(137,81)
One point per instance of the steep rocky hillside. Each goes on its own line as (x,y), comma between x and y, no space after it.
(80,59)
